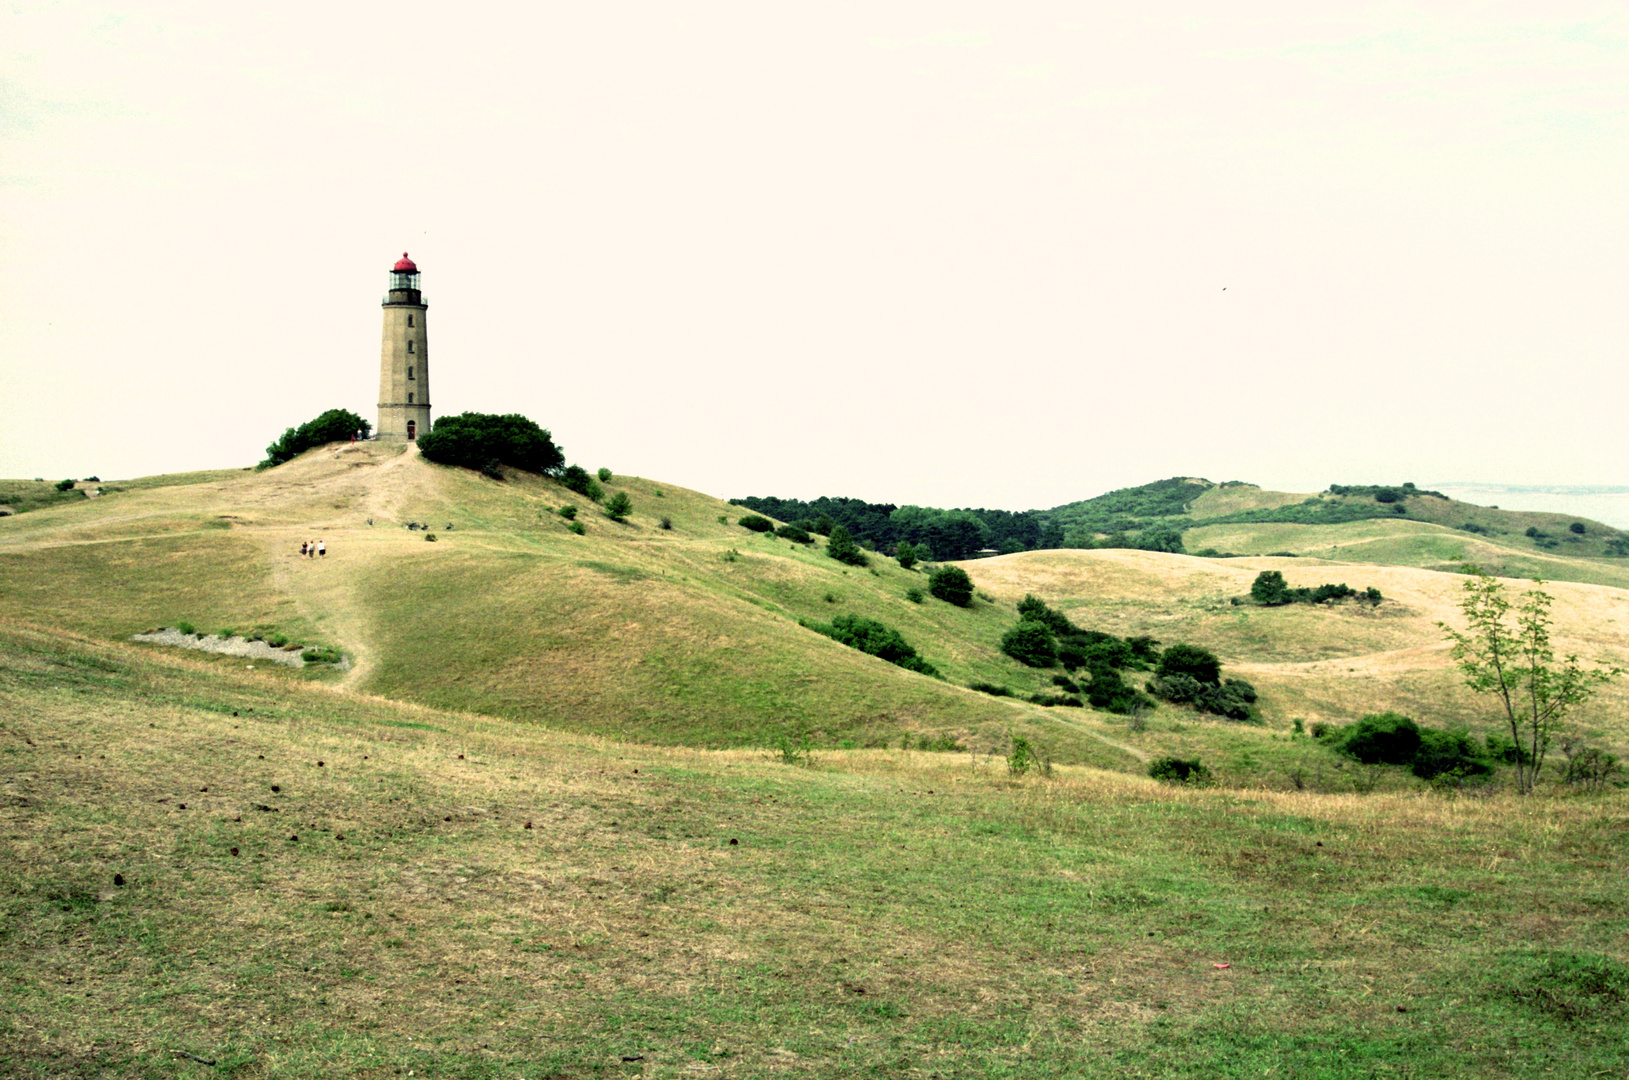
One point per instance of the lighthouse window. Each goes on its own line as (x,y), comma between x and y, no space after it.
(410,320)
(409,346)
(410,399)
(410,374)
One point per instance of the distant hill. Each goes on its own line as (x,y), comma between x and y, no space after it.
(1182,514)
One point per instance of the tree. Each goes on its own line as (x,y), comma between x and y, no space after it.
(1199,664)
(1516,664)
(484,440)
(1030,643)
(952,585)
(906,554)
(841,546)
(618,506)
(335,425)
(1270,589)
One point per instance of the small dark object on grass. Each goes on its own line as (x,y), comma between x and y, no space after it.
(1402,1008)
(460,757)
(118,881)
(447,818)
(234,851)
(276,788)
(734,842)
(319,764)
(633,1057)
(238,818)
(204,788)
(339,836)
(528,825)
(180,806)
(193,1057)
(260,757)
(295,836)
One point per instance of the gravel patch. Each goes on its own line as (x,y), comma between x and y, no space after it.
(232,646)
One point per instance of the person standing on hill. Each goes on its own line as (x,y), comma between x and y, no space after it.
(302,548)
(322,547)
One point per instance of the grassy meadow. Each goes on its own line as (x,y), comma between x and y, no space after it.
(316,883)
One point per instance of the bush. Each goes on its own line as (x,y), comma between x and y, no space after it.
(473,440)
(1175,770)
(1066,684)
(1021,758)
(335,425)
(915,595)
(577,527)
(874,639)
(952,585)
(619,506)
(569,512)
(322,654)
(1191,660)
(841,546)
(667,523)
(906,554)
(1382,739)
(1030,643)
(755,523)
(990,688)
(1111,693)
(65,485)
(1270,589)
(1057,699)
(795,533)
(604,475)
(1576,528)
(576,478)
(186,628)
(1448,753)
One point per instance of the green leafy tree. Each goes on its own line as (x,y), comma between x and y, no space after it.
(1270,588)
(1199,664)
(1031,643)
(952,585)
(483,441)
(906,554)
(335,425)
(618,506)
(1515,663)
(841,546)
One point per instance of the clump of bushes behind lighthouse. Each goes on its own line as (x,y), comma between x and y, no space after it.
(335,425)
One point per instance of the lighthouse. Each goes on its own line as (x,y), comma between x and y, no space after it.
(404,358)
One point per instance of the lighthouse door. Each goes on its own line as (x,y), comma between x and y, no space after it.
(412,430)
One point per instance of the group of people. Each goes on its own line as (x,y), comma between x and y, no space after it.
(312,548)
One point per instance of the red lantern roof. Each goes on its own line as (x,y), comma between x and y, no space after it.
(404,265)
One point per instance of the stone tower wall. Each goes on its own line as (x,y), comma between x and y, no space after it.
(404,370)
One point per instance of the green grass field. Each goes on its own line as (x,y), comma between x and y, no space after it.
(673,911)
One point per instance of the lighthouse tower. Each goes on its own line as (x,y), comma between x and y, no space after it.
(404,358)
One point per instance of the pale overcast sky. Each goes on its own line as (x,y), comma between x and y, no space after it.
(1003,255)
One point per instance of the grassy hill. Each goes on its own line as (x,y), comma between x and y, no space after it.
(535,829)
(690,635)
(286,879)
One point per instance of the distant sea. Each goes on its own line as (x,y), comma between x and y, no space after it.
(1608,505)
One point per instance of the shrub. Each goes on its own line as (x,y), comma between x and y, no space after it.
(1577,527)
(186,628)
(1372,595)
(98,480)
(431,537)
(1057,699)
(1383,739)
(322,654)
(1270,589)
(1448,753)
(1021,758)
(577,527)
(619,506)
(943,744)
(1031,644)
(756,523)
(1175,770)
(605,475)
(874,639)
(1111,693)
(990,688)
(906,554)
(1191,660)
(569,512)
(65,485)
(474,440)
(1589,767)
(667,523)
(794,533)
(915,595)
(952,585)
(1065,683)
(841,546)
(335,425)
(276,640)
